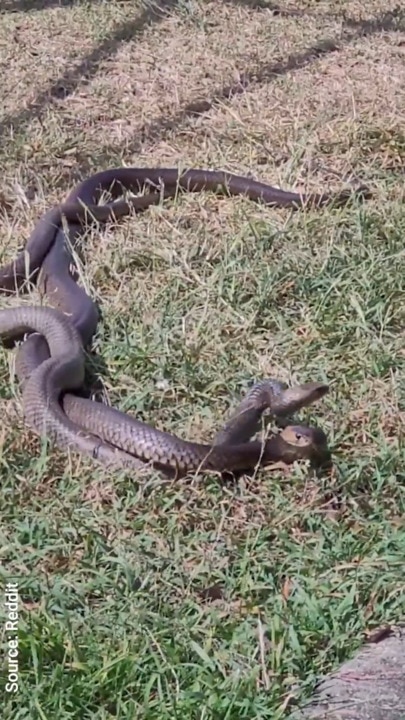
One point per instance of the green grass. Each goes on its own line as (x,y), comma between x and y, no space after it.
(200,599)
(111,571)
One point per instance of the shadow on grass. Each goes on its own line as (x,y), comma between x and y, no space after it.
(163,124)
(15,6)
(389,21)
(83,72)
(87,68)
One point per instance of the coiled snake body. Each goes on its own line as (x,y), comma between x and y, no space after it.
(50,363)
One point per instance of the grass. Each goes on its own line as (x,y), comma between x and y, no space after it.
(198,599)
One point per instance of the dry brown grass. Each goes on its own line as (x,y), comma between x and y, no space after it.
(206,293)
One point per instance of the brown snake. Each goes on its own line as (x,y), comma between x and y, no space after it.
(51,363)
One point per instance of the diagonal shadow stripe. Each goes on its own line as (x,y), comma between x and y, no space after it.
(87,68)
(157,129)
(391,20)
(16,6)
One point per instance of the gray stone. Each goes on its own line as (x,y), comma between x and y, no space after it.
(371,686)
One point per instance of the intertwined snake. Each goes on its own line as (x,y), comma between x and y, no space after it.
(50,363)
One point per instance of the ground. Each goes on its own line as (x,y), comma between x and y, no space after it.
(198,599)
(370,686)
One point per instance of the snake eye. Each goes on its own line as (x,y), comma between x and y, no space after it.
(300,433)
(300,438)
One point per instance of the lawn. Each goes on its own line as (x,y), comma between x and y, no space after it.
(200,599)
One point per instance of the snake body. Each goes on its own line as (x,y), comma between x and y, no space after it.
(50,362)
(44,385)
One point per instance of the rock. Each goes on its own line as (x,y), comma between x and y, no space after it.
(371,686)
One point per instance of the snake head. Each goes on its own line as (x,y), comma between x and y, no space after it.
(299,442)
(292,399)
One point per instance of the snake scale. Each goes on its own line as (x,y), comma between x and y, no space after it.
(50,363)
